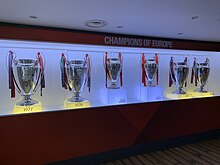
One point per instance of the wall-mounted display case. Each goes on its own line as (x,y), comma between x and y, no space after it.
(100,92)
(62,76)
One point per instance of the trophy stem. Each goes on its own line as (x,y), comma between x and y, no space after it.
(150,83)
(113,86)
(201,89)
(179,90)
(76,98)
(27,101)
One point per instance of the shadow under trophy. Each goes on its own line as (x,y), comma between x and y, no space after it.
(149,70)
(26,75)
(178,74)
(113,70)
(74,75)
(200,72)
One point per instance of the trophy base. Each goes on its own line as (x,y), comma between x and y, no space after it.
(76,105)
(18,109)
(152,93)
(28,102)
(201,94)
(178,96)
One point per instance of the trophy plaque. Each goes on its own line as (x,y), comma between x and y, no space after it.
(74,75)
(200,73)
(178,74)
(26,75)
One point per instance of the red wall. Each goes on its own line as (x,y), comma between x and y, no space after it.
(51,136)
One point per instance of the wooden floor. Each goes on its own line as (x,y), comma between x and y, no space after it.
(201,153)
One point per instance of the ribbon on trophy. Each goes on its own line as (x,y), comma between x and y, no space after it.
(120,58)
(42,80)
(157,62)
(11,56)
(64,80)
(185,61)
(171,72)
(144,75)
(107,75)
(89,72)
(193,72)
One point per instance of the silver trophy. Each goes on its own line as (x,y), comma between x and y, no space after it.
(27,75)
(76,77)
(113,71)
(151,67)
(75,74)
(201,73)
(178,75)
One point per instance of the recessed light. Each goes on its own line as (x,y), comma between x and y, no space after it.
(119,27)
(195,17)
(180,33)
(33,17)
(96,23)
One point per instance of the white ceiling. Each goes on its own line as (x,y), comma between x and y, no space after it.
(156,18)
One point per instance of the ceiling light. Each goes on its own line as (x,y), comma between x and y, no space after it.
(195,17)
(119,27)
(96,23)
(33,17)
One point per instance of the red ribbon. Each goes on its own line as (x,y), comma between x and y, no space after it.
(157,62)
(89,72)
(42,80)
(10,73)
(171,74)
(121,61)
(64,80)
(143,61)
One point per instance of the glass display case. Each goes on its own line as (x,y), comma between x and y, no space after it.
(43,76)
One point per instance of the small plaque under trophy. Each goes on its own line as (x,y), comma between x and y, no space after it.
(178,74)
(150,91)
(25,75)
(200,73)
(74,75)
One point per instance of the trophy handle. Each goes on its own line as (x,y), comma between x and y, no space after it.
(121,62)
(107,74)
(171,72)
(12,82)
(157,73)
(144,76)
(63,63)
(40,60)
(87,59)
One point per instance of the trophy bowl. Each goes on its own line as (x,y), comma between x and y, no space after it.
(151,68)
(114,67)
(27,75)
(76,78)
(179,74)
(202,71)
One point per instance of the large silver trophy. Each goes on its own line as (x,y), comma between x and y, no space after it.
(149,70)
(75,74)
(201,73)
(178,74)
(113,69)
(26,75)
